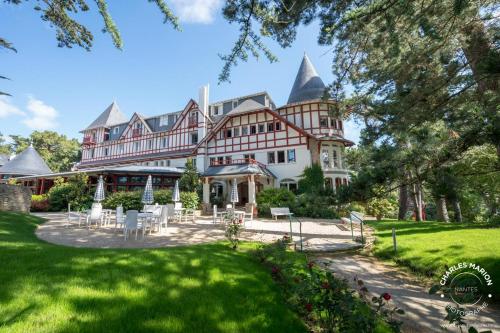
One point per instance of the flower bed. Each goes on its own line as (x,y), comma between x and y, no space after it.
(325,302)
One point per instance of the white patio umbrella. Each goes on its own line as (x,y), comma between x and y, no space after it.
(99,192)
(234,193)
(148,196)
(176,197)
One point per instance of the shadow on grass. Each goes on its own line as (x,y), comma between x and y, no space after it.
(203,288)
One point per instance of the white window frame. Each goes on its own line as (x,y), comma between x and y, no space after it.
(164,120)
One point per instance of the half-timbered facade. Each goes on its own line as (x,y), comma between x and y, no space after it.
(245,138)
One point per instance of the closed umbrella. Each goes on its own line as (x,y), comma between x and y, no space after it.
(148,196)
(99,192)
(234,193)
(176,197)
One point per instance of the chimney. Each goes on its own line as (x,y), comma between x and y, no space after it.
(203,104)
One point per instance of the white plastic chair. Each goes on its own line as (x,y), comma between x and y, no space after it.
(95,215)
(74,216)
(163,219)
(155,220)
(178,211)
(131,224)
(149,208)
(119,218)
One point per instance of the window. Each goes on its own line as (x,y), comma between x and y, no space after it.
(156,164)
(121,149)
(138,125)
(92,153)
(249,157)
(229,160)
(220,160)
(106,135)
(162,163)
(281,156)
(215,109)
(253,129)
(291,155)
(289,184)
(212,160)
(333,123)
(164,120)
(270,127)
(235,104)
(335,159)
(278,126)
(194,138)
(116,130)
(229,133)
(244,130)
(168,162)
(323,121)
(193,161)
(271,157)
(325,158)
(150,144)
(236,131)
(136,146)
(164,142)
(106,151)
(262,128)
(340,125)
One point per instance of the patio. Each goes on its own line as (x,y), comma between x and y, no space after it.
(318,235)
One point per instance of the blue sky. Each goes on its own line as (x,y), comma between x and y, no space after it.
(157,71)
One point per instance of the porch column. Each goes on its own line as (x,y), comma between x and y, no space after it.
(251,190)
(206,191)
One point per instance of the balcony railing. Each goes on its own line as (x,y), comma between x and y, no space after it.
(88,140)
(136,132)
(235,161)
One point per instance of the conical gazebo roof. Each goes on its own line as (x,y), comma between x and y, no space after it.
(27,163)
(308,85)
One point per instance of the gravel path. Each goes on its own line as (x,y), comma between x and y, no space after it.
(424,312)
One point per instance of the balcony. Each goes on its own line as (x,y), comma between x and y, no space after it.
(88,140)
(192,121)
(136,132)
(235,161)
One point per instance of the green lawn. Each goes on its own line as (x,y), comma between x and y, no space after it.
(427,247)
(205,288)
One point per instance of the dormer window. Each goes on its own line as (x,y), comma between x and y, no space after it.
(116,130)
(164,120)
(235,104)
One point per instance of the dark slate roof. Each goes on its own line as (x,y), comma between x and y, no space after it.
(308,85)
(4,159)
(111,116)
(237,169)
(29,162)
(246,106)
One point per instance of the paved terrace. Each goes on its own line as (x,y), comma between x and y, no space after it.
(318,235)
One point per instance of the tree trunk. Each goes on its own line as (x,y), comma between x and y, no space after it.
(457,210)
(442,211)
(417,202)
(403,202)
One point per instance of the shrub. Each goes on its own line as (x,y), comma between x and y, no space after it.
(316,206)
(190,200)
(39,203)
(274,197)
(381,207)
(312,179)
(163,197)
(75,192)
(129,200)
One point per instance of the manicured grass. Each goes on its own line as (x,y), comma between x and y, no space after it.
(205,288)
(428,247)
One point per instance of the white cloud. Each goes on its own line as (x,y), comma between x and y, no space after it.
(41,116)
(352,130)
(8,109)
(196,11)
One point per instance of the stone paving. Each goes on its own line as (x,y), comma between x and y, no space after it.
(318,235)
(424,312)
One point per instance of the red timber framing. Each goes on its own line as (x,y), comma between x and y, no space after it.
(283,133)
(174,143)
(307,116)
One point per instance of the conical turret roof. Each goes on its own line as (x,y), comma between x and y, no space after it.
(308,85)
(110,117)
(27,163)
